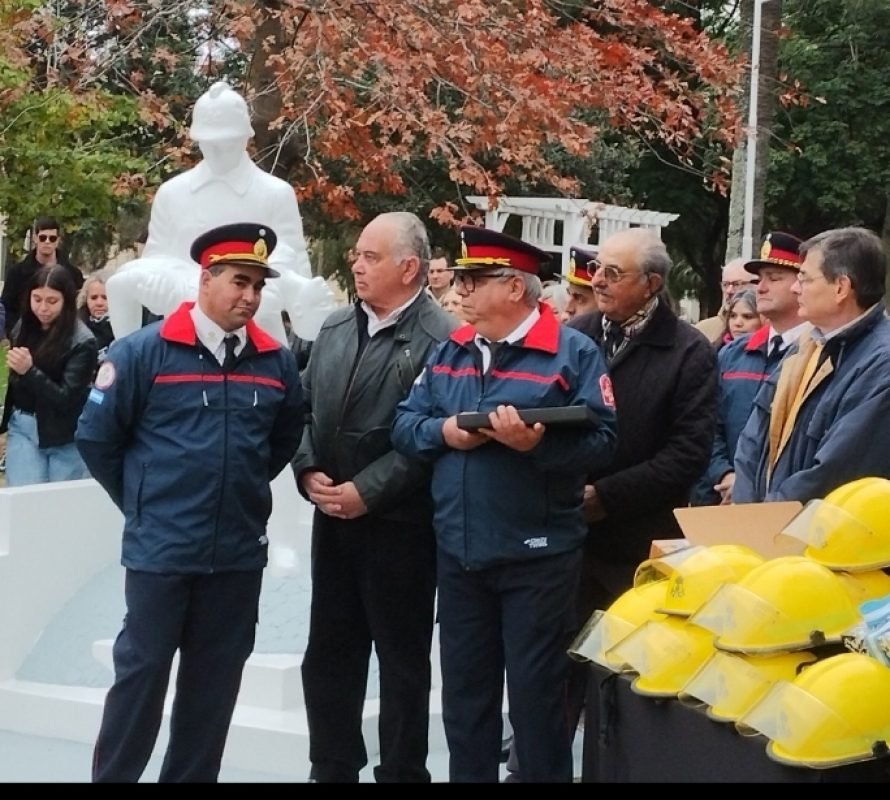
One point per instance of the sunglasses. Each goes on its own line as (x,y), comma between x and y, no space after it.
(47,237)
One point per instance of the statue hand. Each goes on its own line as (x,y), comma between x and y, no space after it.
(162,292)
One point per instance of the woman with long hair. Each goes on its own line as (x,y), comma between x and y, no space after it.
(743,317)
(51,359)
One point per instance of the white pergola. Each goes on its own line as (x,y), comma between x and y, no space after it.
(578,217)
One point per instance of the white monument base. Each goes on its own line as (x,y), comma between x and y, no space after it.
(56,538)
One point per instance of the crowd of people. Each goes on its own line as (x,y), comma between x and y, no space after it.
(507,533)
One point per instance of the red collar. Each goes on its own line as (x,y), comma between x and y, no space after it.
(758,338)
(544,334)
(179,327)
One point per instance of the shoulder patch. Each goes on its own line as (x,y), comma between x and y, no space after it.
(105,376)
(606,391)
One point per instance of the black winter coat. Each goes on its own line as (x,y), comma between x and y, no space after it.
(61,394)
(353,402)
(666,391)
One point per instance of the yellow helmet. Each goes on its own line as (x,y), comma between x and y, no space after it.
(835,712)
(850,528)
(730,683)
(664,654)
(605,629)
(787,603)
(864,586)
(695,572)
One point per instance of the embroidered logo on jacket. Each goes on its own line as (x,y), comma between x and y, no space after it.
(535,542)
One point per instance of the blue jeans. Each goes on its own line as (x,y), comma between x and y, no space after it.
(27,462)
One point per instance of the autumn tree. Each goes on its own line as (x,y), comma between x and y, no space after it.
(364,104)
(349,94)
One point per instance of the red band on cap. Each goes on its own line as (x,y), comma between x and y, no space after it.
(580,275)
(518,260)
(225,249)
(782,255)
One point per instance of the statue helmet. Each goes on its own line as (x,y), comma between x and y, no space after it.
(220,113)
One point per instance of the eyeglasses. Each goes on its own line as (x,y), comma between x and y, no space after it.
(612,274)
(47,237)
(806,280)
(739,284)
(468,281)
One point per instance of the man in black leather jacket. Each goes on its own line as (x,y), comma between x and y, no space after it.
(373,548)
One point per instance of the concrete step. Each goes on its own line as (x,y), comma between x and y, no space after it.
(260,739)
(270,680)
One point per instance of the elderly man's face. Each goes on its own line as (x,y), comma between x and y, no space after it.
(735,278)
(620,287)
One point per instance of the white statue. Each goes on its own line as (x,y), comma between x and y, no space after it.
(226,187)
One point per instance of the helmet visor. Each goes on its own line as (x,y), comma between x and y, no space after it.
(730,684)
(601,632)
(818,523)
(736,614)
(664,654)
(654,569)
(804,730)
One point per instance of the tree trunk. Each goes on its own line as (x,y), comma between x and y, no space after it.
(271,155)
(766,106)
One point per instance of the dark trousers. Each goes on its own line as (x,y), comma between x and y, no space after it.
(516,617)
(211,620)
(373,582)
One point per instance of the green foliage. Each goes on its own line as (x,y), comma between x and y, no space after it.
(830,156)
(63,154)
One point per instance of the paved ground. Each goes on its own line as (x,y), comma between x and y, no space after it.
(63,655)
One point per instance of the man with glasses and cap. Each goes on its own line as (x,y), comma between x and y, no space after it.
(744,364)
(507,499)
(188,422)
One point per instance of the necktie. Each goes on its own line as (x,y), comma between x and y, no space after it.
(775,348)
(493,348)
(230,342)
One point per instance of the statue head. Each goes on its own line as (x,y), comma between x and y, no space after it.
(220,114)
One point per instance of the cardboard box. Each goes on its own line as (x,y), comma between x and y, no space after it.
(758,525)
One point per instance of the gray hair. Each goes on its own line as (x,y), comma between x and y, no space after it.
(99,276)
(555,291)
(411,239)
(533,287)
(857,253)
(653,256)
(744,296)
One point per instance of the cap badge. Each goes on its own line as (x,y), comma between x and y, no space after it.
(766,250)
(260,250)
